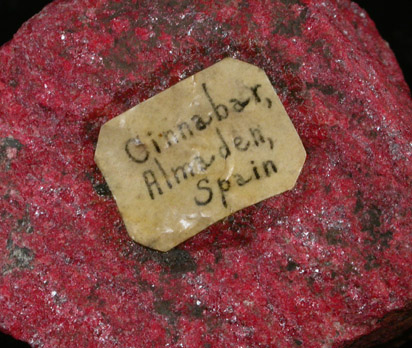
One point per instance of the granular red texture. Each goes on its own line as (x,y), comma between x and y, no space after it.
(319,266)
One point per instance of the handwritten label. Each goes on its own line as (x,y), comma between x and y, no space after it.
(212,144)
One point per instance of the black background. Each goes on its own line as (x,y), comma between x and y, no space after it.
(393,19)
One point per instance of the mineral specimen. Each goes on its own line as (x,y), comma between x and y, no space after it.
(327,264)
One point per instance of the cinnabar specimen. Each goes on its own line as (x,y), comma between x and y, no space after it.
(323,265)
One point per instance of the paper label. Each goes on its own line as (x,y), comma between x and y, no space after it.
(210,145)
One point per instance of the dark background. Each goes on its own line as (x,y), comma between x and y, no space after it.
(393,19)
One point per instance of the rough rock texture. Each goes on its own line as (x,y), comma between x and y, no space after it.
(319,266)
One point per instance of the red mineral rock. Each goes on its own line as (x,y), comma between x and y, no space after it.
(324,265)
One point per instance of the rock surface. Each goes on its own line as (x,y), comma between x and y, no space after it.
(324,265)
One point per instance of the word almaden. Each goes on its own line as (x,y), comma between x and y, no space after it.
(210,145)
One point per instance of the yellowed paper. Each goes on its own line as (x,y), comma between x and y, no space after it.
(212,144)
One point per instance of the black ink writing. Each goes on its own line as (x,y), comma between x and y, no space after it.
(238,105)
(174,175)
(165,175)
(139,152)
(150,180)
(255,93)
(224,150)
(161,178)
(223,185)
(136,151)
(221,110)
(209,191)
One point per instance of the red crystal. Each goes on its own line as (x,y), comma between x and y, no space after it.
(323,265)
